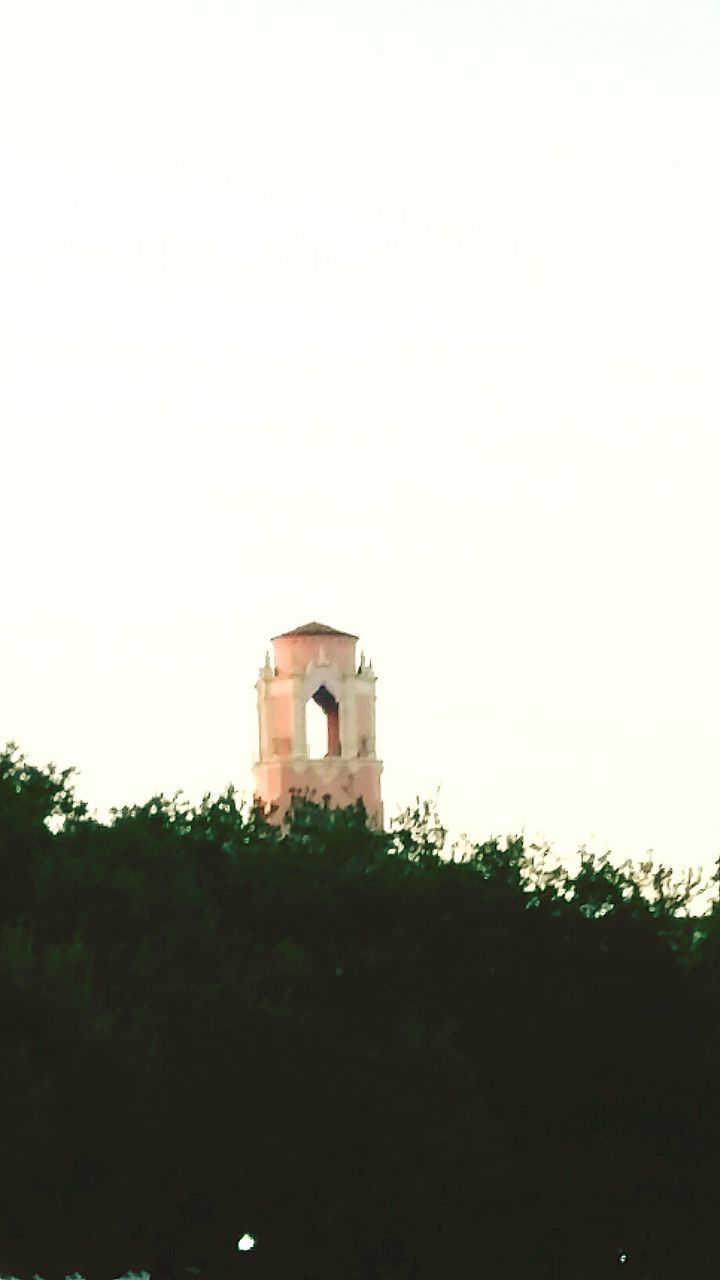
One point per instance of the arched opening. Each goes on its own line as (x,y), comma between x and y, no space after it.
(322,725)
(316,733)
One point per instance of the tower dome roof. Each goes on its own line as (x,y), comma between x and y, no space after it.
(315,629)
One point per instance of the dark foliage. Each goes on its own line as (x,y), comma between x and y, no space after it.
(382,1059)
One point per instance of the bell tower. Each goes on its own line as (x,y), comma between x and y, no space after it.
(315,663)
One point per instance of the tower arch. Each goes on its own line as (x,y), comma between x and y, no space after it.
(328,708)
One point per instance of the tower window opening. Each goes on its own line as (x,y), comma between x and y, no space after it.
(322,725)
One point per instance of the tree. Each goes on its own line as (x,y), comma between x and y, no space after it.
(381,1057)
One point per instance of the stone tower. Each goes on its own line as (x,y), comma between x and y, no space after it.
(317,662)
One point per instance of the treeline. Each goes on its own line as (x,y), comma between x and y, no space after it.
(379,1057)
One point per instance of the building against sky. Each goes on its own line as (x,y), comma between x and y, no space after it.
(315,675)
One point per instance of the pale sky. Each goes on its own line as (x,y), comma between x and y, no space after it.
(400,316)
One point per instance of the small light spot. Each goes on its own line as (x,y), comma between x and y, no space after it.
(623,1257)
(246,1243)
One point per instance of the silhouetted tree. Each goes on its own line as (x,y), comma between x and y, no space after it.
(380,1056)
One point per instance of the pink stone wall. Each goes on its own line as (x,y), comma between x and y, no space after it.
(292,653)
(344,781)
(280,712)
(364,717)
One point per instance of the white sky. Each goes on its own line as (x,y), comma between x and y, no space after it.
(402,316)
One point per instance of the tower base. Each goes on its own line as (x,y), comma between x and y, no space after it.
(335,781)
